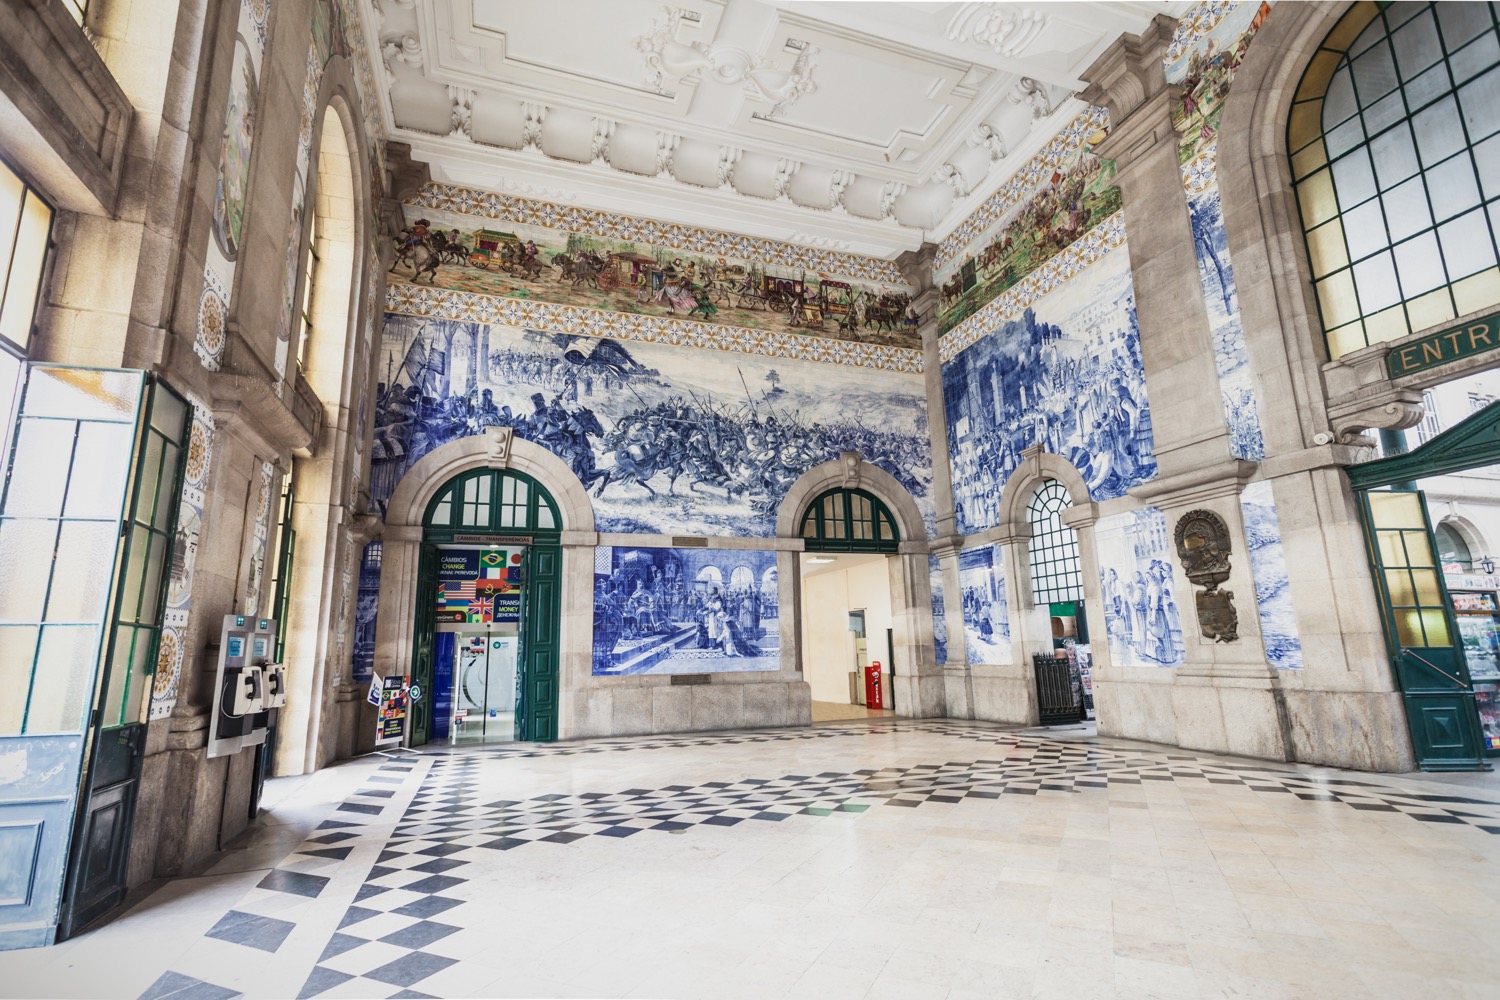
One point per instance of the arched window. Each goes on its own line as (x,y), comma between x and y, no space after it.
(491,500)
(845,520)
(1396,160)
(1055,571)
(1452,548)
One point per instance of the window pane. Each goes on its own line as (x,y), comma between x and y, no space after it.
(85,564)
(81,394)
(1461,23)
(28,260)
(1374,74)
(442,512)
(17,653)
(1452,187)
(151,586)
(101,470)
(1338,101)
(1474,58)
(1481,105)
(25,553)
(1419,265)
(1384,113)
(65,673)
(1395,157)
(166,499)
(1354,178)
(1466,244)
(1439,133)
(1416,45)
(544,518)
(1406,209)
(40,468)
(119,675)
(1376,280)
(135,571)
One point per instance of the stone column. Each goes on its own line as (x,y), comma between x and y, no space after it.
(1182,381)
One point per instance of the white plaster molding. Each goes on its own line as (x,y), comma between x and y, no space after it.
(405,49)
(724,171)
(889,192)
(952,177)
(599,144)
(838,183)
(1034,96)
(666,146)
(984,135)
(531,130)
(1007,32)
(782,181)
(462,115)
(671,61)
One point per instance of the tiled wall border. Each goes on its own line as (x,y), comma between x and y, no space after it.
(614,226)
(1200,19)
(1085,251)
(475,307)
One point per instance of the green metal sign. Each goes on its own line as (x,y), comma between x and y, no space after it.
(1435,349)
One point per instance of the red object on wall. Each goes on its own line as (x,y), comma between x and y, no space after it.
(874,688)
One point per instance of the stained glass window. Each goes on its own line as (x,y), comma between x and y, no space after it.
(1395,149)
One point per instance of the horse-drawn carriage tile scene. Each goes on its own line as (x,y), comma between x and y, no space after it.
(716,283)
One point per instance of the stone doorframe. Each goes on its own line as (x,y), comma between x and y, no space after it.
(402,545)
(918,680)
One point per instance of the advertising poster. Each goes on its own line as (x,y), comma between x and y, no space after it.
(391,719)
(480,586)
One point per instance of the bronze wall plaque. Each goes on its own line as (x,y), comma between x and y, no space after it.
(1203,546)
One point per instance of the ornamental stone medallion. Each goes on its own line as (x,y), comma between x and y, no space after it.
(1203,546)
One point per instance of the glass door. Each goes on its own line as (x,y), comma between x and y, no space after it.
(1421,631)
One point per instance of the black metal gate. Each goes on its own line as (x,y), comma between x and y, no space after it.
(1057,692)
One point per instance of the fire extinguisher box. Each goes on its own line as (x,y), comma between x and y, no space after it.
(874,686)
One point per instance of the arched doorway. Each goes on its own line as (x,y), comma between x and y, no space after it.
(488,603)
(850,541)
(1064,683)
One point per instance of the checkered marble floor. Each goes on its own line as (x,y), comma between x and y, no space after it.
(890,858)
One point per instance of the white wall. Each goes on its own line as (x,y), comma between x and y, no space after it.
(829,593)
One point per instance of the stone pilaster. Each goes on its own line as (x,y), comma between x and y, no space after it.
(1182,380)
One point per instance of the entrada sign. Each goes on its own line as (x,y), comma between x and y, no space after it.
(1440,348)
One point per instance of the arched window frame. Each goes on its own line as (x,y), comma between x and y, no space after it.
(849,520)
(498,501)
(1056,566)
(1349,323)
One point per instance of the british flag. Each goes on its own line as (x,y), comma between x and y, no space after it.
(482,608)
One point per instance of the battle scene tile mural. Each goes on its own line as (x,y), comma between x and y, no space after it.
(664,439)
(684,611)
(1066,375)
(1273,592)
(555,255)
(981,575)
(1135,570)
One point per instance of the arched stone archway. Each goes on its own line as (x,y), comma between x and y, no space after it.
(917,678)
(402,543)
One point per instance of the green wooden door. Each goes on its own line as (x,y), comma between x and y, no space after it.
(419,712)
(537,678)
(1421,633)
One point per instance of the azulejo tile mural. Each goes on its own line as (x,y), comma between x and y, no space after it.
(166,680)
(575,257)
(1062,149)
(662,441)
(1135,569)
(1079,196)
(1273,593)
(1065,375)
(684,611)
(939,612)
(981,575)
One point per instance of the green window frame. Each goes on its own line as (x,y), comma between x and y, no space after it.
(1394,140)
(491,500)
(849,520)
(1056,569)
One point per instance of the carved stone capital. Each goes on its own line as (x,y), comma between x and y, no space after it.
(1131,71)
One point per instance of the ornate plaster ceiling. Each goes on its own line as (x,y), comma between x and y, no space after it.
(861,126)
